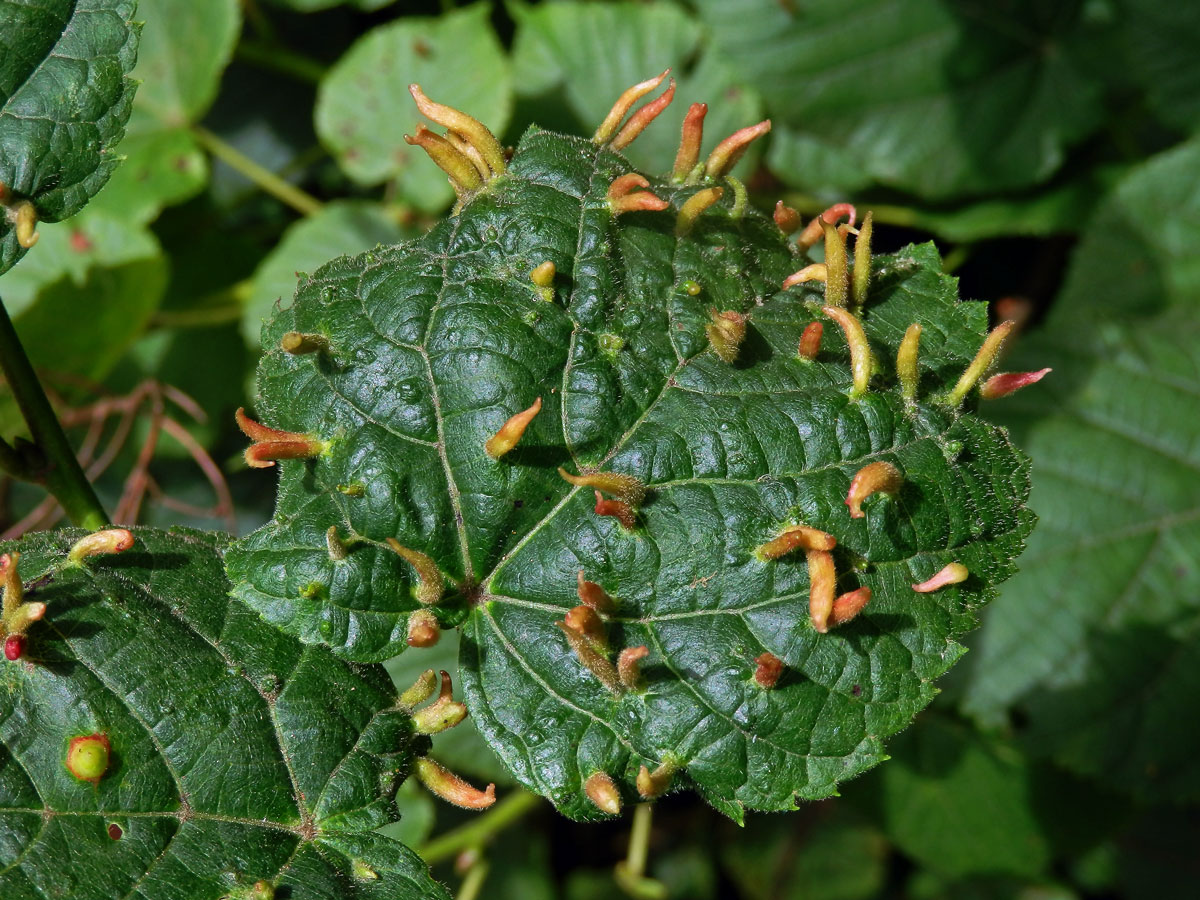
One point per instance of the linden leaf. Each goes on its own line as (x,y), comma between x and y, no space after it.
(65,97)
(228,762)
(398,515)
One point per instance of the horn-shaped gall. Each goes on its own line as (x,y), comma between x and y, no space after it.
(511,431)
(727,153)
(578,628)
(815,229)
(812,272)
(24,218)
(768,668)
(420,690)
(786,218)
(430,583)
(271,444)
(1007,383)
(423,628)
(109,540)
(468,128)
(694,207)
(862,264)
(849,605)
(618,509)
(907,372)
(644,116)
(874,478)
(810,341)
(655,784)
(953,573)
(463,175)
(981,363)
(594,596)
(837,266)
(602,791)
(441,781)
(623,198)
(795,537)
(860,350)
(298,343)
(621,108)
(443,713)
(822,580)
(726,331)
(16,614)
(692,135)
(625,488)
(629,669)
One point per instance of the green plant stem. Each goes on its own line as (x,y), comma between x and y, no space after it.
(480,831)
(281,60)
(639,839)
(630,873)
(299,200)
(472,882)
(62,477)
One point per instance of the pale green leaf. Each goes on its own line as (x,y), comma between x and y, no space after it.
(363,109)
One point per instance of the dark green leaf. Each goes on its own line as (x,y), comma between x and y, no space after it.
(238,754)
(940,99)
(65,96)
(1160,39)
(827,853)
(1139,252)
(958,803)
(435,343)
(1095,642)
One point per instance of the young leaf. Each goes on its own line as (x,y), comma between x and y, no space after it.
(64,101)
(654,465)
(235,754)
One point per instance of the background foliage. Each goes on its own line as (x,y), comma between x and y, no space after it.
(1050,148)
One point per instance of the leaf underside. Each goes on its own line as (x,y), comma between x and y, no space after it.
(229,763)
(65,97)
(436,343)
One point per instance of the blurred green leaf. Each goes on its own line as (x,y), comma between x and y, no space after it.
(1097,640)
(308,6)
(930,885)
(85,328)
(185,48)
(1161,41)
(826,853)
(596,51)
(160,167)
(65,97)
(340,228)
(957,803)
(1062,209)
(1139,253)
(363,110)
(184,51)
(94,239)
(940,99)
